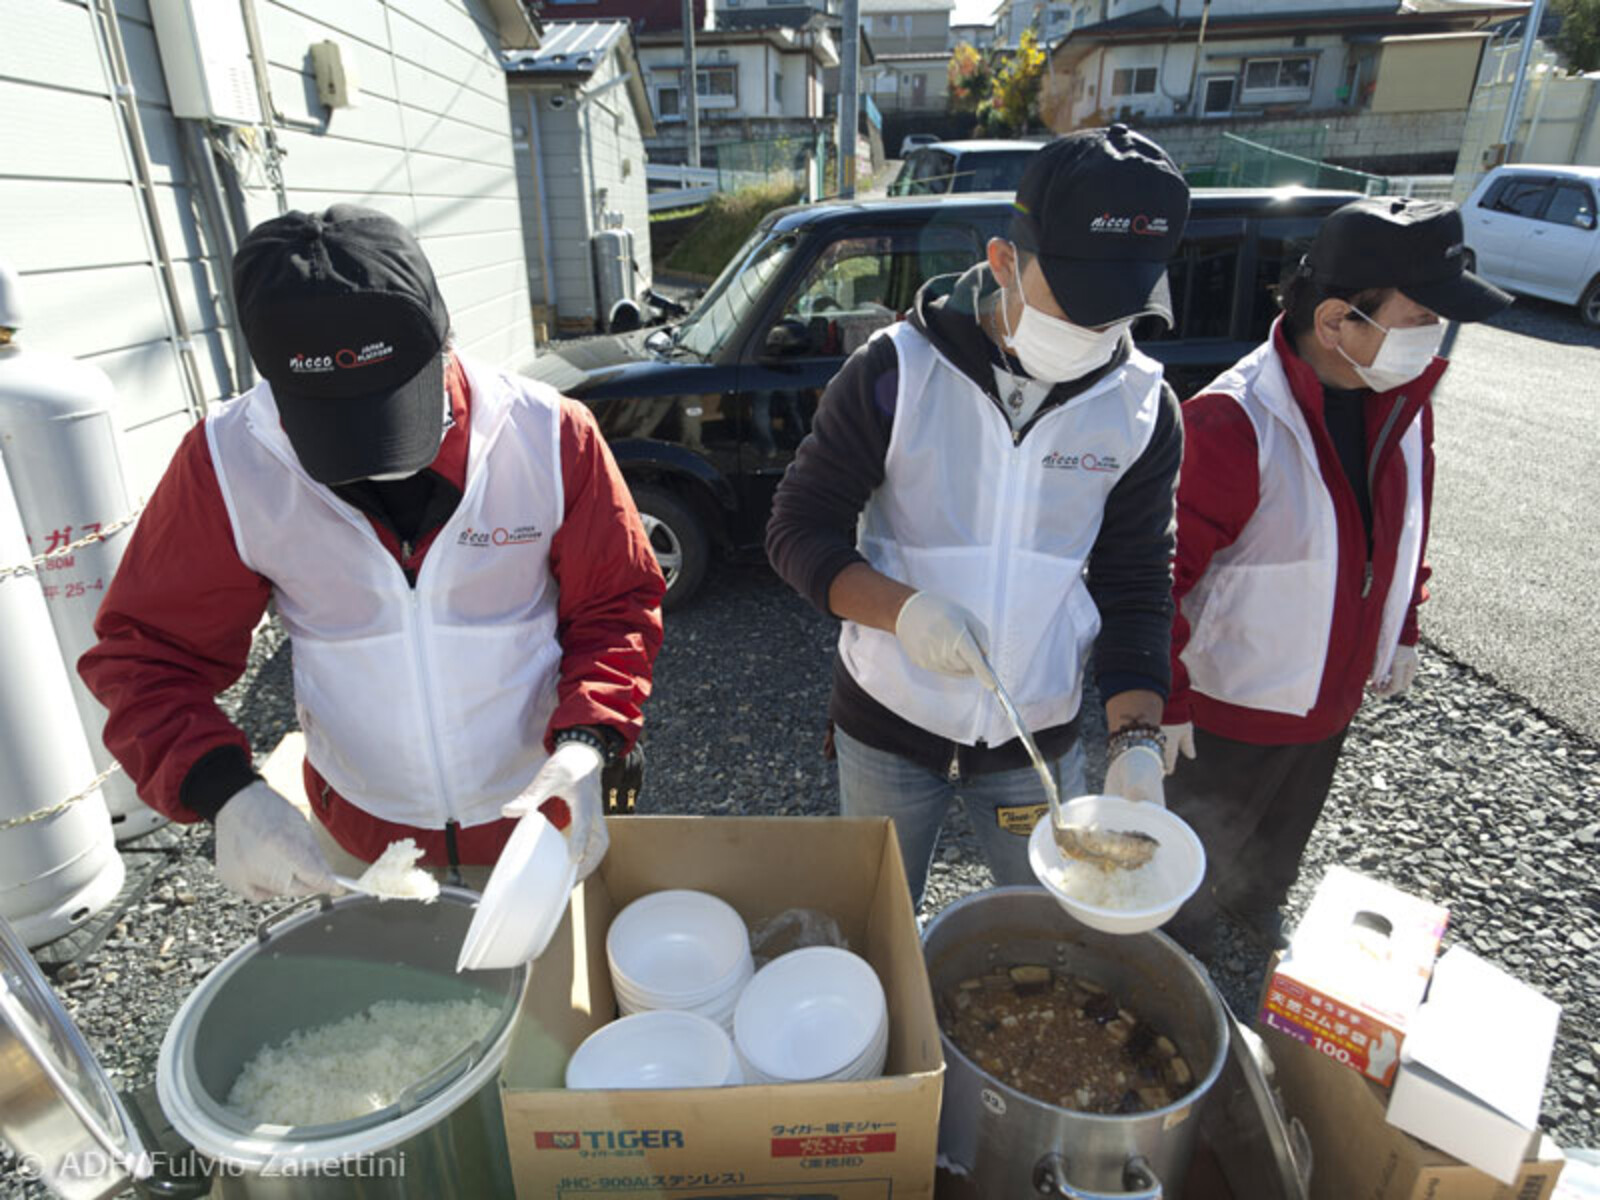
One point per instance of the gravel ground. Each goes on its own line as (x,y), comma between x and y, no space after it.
(1461,792)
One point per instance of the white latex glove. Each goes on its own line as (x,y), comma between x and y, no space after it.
(265,848)
(567,791)
(1401,673)
(1179,738)
(1136,774)
(939,635)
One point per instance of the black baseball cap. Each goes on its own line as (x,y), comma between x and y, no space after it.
(345,321)
(1103,210)
(1416,246)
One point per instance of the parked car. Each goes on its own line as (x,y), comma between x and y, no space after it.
(1532,229)
(704,416)
(991,165)
(912,140)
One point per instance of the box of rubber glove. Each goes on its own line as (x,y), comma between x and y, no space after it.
(865,1140)
(1356,1154)
(1355,973)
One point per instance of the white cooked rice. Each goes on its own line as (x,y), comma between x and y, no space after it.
(358,1065)
(396,876)
(1116,889)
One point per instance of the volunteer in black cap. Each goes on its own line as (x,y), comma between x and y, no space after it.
(963,470)
(1302,529)
(471,600)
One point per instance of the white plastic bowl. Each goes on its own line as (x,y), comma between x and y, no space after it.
(524,900)
(655,1050)
(677,947)
(1167,880)
(810,1014)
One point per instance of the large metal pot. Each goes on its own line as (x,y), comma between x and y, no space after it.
(443,1138)
(1012,1145)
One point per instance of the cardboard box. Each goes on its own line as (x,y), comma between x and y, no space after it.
(867,1140)
(1356,971)
(1473,1070)
(1357,1155)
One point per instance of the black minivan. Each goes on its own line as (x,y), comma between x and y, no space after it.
(704,416)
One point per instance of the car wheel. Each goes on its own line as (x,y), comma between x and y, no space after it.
(678,537)
(1589,304)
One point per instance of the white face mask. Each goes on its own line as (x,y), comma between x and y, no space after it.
(1403,355)
(1054,351)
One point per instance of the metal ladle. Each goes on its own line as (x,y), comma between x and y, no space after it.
(1108,849)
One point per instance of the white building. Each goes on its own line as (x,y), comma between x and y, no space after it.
(760,81)
(580,115)
(428,141)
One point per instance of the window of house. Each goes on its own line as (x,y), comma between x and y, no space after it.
(667,102)
(717,82)
(1269,79)
(1573,204)
(1133,81)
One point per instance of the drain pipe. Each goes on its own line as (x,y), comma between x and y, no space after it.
(269,111)
(546,253)
(208,189)
(128,103)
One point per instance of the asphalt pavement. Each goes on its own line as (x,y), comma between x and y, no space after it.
(1514,545)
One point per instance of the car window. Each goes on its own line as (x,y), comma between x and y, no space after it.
(931,173)
(1202,276)
(737,290)
(1572,204)
(1522,197)
(861,284)
(902,180)
(991,171)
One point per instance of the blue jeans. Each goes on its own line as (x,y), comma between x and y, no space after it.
(1002,807)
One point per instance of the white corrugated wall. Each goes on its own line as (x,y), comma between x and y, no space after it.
(430,143)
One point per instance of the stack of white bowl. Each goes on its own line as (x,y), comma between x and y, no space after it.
(817,1015)
(682,950)
(662,1049)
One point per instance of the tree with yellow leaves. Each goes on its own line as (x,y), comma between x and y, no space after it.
(1014,96)
(971,77)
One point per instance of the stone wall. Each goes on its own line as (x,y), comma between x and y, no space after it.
(1382,143)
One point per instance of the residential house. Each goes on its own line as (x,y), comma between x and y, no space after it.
(646,16)
(1365,83)
(1049,19)
(980,34)
(143,290)
(580,114)
(911,52)
(759,89)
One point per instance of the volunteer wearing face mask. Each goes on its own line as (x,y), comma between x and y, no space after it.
(471,601)
(994,476)
(1302,525)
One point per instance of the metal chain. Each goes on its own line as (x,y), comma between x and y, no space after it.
(44,814)
(105,531)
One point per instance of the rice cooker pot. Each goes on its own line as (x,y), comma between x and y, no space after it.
(318,962)
(1010,1145)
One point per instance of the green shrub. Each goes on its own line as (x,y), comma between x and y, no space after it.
(729,219)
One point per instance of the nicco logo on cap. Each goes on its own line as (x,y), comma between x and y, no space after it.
(1140,224)
(318,364)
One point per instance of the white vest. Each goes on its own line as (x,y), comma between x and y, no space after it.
(427,704)
(1002,528)
(1262,614)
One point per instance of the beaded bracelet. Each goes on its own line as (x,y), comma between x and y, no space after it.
(1137,733)
(589,738)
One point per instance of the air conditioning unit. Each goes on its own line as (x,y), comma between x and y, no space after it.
(205,56)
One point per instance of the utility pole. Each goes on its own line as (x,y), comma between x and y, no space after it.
(690,91)
(1530,33)
(849,100)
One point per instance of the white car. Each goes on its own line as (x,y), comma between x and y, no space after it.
(912,140)
(1532,229)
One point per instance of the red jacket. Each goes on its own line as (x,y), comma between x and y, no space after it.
(1219,492)
(177,620)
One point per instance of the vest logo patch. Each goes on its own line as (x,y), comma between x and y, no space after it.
(1056,461)
(520,535)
